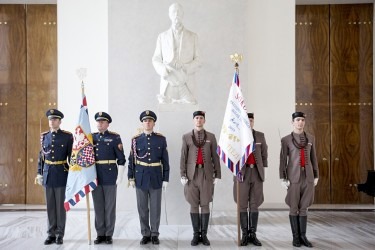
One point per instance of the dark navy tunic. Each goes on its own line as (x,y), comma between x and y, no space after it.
(108,147)
(149,165)
(54,157)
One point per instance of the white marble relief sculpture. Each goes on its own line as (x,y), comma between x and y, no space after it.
(176,59)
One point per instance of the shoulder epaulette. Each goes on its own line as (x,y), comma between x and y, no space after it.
(66,132)
(137,135)
(114,133)
(159,134)
(43,133)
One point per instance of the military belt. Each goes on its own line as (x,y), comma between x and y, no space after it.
(106,162)
(154,164)
(199,165)
(55,162)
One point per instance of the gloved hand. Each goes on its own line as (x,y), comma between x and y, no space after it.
(184,180)
(316,181)
(216,180)
(131,183)
(120,174)
(285,183)
(39,179)
(165,184)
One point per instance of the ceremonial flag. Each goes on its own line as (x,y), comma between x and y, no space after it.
(82,171)
(236,138)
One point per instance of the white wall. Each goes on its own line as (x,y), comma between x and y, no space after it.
(82,43)
(271,70)
(115,40)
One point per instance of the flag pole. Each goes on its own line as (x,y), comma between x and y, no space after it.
(238,187)
(88,218)
(237,58)
(88,194)
(238,214)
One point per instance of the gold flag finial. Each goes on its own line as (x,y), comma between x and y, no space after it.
(236,58)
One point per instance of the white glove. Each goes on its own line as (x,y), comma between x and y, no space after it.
(165,184)
(131,183)
(285,183)
(316,181)
(120,174)
(39,179)
(216,180)
(184,180)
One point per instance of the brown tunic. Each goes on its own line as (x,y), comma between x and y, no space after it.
(251,189)
(300,193)
(199,189)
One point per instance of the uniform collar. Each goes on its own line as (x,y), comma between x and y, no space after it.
(55,131)
(104,133)
(150,134)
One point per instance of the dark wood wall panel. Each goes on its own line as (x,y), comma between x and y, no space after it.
(312,85)
(351,100)
(12,104)
(334,88)
(41,26)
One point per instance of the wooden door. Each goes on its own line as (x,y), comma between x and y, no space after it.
(312,85)
(334,88)
(12,104)
(41,27)
(351,65)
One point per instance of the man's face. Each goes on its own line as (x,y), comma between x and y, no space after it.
(176,14)
(148,124)
(102,125)
(251,120)
(54,123)
(199,121)
(299,123)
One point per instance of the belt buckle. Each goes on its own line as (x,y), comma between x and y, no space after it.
(303,168)
(199,165)
(251,165)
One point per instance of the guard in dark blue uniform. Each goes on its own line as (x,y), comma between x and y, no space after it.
(149,172)
(110,166)
(56,148)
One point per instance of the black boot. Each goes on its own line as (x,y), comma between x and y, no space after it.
(195,221)
(205,220)
(295,231)
(244,227)
(253,223)
(302,231)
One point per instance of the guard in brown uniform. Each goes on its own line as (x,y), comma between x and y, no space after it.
(299,174)
(200,171)
(251,187)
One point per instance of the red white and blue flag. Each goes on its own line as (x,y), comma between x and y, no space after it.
(236,137)
(82,171)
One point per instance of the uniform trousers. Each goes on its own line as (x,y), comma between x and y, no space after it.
(55,211)
(251,190)
(199,192)
(300,196)
(149,209)
(104,197)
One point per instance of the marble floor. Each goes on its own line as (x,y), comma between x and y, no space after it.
(327,229)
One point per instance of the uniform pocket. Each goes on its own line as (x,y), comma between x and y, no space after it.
(138,177)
